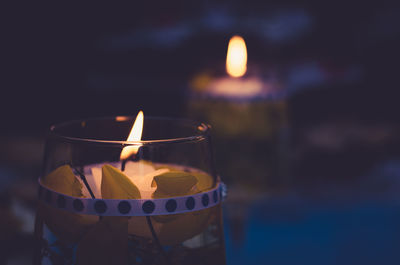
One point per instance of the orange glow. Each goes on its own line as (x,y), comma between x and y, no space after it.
(236,58)
(121,118)
(134,135)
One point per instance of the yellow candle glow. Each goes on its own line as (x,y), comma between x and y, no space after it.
(140,173)
(236,58)
(236,66)
(134,135)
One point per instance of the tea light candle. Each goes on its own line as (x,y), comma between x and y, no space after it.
(238,104)
(236,86)
(141,174)
(248,111)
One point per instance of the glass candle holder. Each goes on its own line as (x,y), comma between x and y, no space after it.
(105,200)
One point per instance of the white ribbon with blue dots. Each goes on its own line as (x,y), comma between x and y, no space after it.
(133,207)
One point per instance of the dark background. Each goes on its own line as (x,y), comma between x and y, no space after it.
(63,62)
(53,53)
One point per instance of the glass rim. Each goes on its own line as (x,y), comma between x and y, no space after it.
(201,128)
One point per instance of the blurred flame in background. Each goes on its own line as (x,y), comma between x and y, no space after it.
(236,58)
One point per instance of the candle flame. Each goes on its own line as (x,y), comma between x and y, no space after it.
(236,58)
(134,135)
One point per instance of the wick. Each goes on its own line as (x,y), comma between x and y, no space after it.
(134,157)
(123,163)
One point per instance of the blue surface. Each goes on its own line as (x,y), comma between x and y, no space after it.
(301,233)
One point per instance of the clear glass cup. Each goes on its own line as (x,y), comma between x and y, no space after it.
(159,206)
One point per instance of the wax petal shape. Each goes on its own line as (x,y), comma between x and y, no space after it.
(174,183)
(68,227)
(116,185)
(63,180)
(177,228)
(204,181)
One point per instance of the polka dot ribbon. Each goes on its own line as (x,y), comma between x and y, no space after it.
(133,207)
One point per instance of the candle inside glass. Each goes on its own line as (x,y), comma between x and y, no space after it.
(140,173)
(159,170)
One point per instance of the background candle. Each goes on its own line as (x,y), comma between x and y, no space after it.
(248,112)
